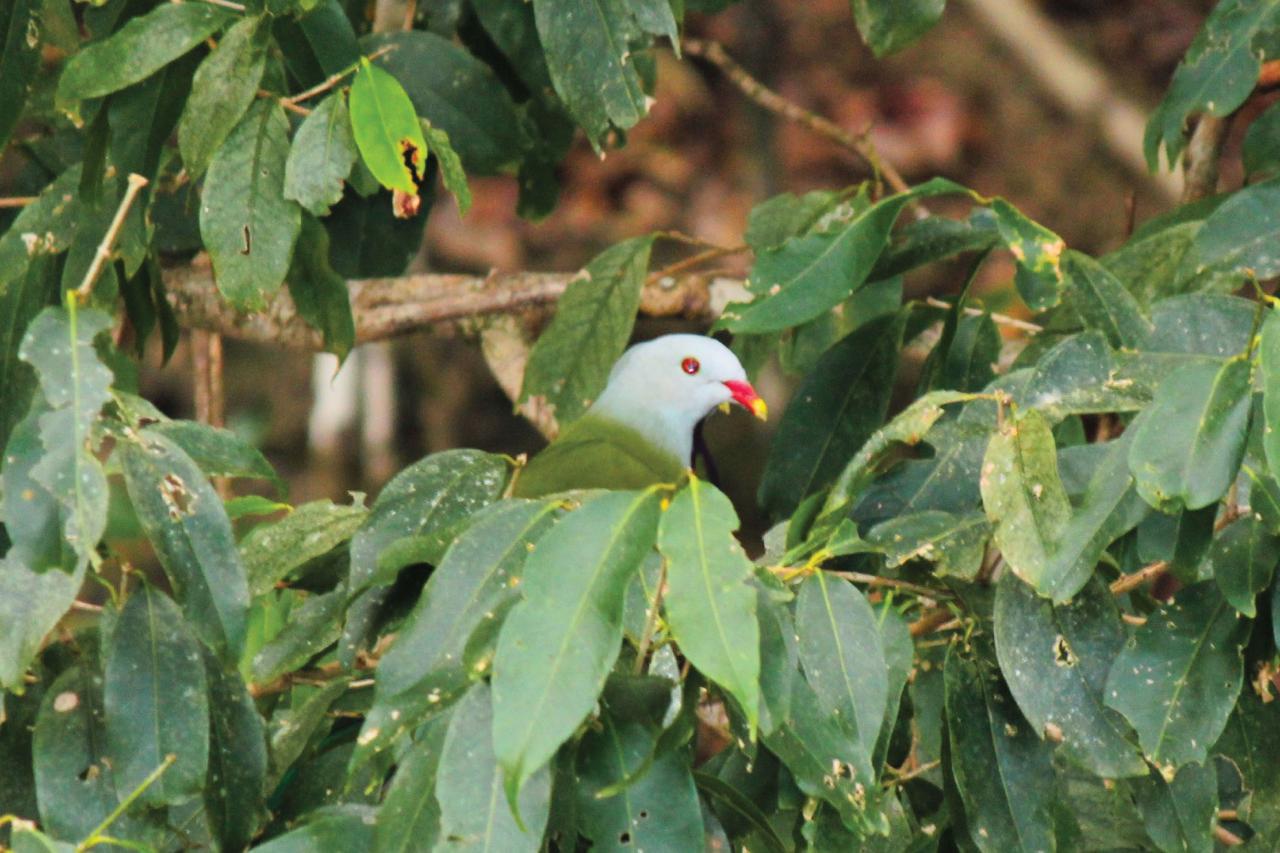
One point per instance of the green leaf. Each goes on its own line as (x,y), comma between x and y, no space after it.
(840,647)
(451,172)
(835,410)
(710,608)
(218,452)
(888,26)
(1103,303)
(1241,235)
(45,227)
(1178,680)
(473,813)
(246,223)
(318,292)
(272,551)
(409,818)
(785,216)
(811,274)
(33,517)
(321,157)
(189,530)
(1218,72)
(31,604)
(19,60)
(779,660)
(1025,500)
(1151,264)
(1002,769)
(1188,444)
(144,45)
(514,31)
(293,730)
(1055,660)
(312,627)
(386,130)
(1038,252)
(1080,376)
(76,385)
(234,790)
(224,86)
(558,644)
(156,699)
(570,362)
(658,811)
(955,544)
(345,827)
(20,301)
(967,361)
(934,239)
(1269,359)
(1261,149)
(1179,814)
(1242,559)
(899,656)
(1250,741)
(433,497)
(456,93)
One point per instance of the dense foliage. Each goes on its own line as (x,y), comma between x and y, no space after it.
(610,668)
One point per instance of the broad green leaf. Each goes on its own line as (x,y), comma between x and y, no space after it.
(367,239)
(779,660)
(156,699)
(474,815)
(809,275)
(1179,814)
(1241,234)
(1103,303)
(1038,252)
(1269,359)
(1002,769)
(33,517)
(1181,539)
(1151,264)
(31,604)
(559,643)
(786,216)
(184,519)
(246,223)
(318,292)
(28,839)
(386,130)
(935,239)
(224,86)
(346,827)
(1078,376)
(835,410)
(45,227)
(457,93)
(1261,149)
(435,497)
(890,25)
(955,544)
(710,608)
(321,157)
(143,116)
(272,551)
(514,31)
(313,626)
(235,789)
(141,47)
(1178,680)
(570,362)
(1218,72)
(292,730)
(1242,559)
(409,818)
(20,301)
(843,658)
(967,361)
(19,61)
(899,656)
(1188,444)
(1055,661)
(218,452)
(1025,499)
(1250,741)
(451,172)
(76,385)
(659,811)
(1264,498)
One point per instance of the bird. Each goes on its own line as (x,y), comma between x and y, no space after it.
(639,432)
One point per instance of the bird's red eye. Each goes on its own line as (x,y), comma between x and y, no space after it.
(690,365)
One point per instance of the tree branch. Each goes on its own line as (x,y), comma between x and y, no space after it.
(1200,162)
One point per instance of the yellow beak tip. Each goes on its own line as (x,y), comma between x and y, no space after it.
(759,409)
(724,407)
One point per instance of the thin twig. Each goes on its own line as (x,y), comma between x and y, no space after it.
(17,201)
(226,4)
(410,12)
(95,837)
(332,80)
(931,621)
(715,53)
(100,257)
(285,102)
(319,675)
(695,260)
(200,380)
(86,607)
(1127,583)
(999,319)
(912,774)
(651,623)
(876,580)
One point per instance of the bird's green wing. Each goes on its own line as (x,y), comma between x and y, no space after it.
(595,453)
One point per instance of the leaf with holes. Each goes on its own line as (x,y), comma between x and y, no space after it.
(386,130)
(218,452)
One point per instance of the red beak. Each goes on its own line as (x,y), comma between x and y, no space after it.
(746,396)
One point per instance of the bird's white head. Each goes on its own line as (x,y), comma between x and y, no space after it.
(663,387)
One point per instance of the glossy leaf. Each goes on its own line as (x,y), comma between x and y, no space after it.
(1055,661)
(247,225)
(1103,303)
(321,157)
(33,517)
(347,827)
(1261,147)
(888,26)
(155,695)
(571,360)
(272,551)
(842,655)
(409,818)
(386,130)
(1080,376)
(183,517)
(1250,740)
(20,301)
(1001,767)
(1180,814)
(709,606)
(558,644)
(1178,680)
(474,815)
(1241,234)
(1242,559)
(955,544)
(313,626)
(899,656)
(52,218)
(224,86)
(141,47)
(835,410)
(1025,499)
(1188,445)
(31,604)
(235,788)
(451,171)
(786,216)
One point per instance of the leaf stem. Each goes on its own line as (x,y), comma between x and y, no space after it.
(17,201)
(100,257)
(1127,583)
(96,836)
(651,622)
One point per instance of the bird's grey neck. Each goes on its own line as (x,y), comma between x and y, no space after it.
(670,430)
